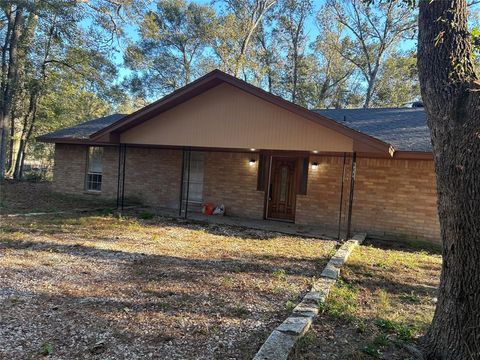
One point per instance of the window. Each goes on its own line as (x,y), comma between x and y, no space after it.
(94,169)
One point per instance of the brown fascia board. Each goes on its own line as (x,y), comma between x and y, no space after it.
(413,155)
(73,141)
(217,77)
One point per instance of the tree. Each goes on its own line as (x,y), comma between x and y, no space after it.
(450,90)
(397,83)
(237,30)
(336,81)
(38,37)
(173,40)
(269,57)
(371,32)
(292,17)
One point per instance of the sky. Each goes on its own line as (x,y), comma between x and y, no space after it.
(312,31)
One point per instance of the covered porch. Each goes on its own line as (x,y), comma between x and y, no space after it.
(293,192)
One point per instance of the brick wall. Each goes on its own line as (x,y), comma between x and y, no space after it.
(70,168)
(392,197)
(152,176)
(396,197)
(70,162)
(232,181)
(321,204)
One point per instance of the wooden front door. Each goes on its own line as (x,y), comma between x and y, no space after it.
(281,201)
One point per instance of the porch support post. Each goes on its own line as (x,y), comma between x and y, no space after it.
(189,154)
(180,202)
(341,197)
(352,187)
(119,173)
(123,173)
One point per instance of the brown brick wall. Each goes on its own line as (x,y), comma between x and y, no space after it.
(391,198)
(70,168)
(152,176)
(232,181)
(70,162)
(396,197)
(321,204)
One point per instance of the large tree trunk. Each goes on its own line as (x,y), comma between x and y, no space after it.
(7,93)
(450,92)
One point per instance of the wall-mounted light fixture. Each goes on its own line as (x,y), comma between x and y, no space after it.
(315,151)
(252,162)
(252,149)
(314,165)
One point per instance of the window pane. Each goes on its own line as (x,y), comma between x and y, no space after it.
(95,154)
(94,182)
(94,171)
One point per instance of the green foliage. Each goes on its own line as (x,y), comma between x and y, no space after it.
(280,274)
(397,83)
(46,349)
(173,38)
(342,301)
(403,331)
(146,215)
(289,305)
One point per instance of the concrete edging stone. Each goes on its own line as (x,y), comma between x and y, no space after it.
(282,340)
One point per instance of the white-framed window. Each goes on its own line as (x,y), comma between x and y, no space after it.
(93,181)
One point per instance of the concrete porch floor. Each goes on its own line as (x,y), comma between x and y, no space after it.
(266,225)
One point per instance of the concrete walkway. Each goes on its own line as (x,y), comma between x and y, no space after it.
(266,225)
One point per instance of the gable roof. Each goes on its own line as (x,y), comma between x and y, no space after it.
(379,130)
(405,128)
(110,133)
(81,131)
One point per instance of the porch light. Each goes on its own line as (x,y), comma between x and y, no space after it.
(314,165)
(252,162)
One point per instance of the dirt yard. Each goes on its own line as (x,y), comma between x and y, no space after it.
(28,197)
(381,306)
(98,287)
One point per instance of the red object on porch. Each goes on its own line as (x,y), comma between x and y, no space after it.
(208,208)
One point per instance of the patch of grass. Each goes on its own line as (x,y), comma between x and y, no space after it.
(280,274)
(303,343)
(412,297)
(46,349)
(289,305)
(404,332)
(240,311)
(342,301)
(145,215)
(382,302)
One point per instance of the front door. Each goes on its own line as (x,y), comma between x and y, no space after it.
(281,201)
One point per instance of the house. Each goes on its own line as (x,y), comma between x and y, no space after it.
(224,141)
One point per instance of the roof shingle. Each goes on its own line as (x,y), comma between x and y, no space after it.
(404,128)
(84,130)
